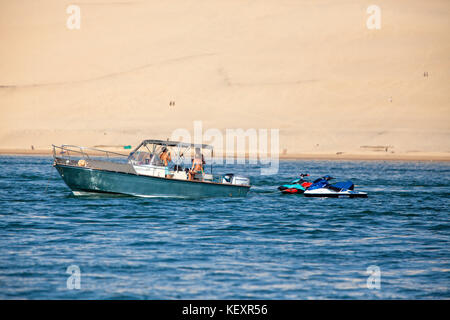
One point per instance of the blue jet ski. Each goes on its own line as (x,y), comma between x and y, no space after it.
(323,188)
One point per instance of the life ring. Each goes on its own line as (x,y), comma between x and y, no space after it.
(82,163)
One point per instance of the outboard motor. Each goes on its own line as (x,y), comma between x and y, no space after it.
(235,179)
(227,178)
(241,180)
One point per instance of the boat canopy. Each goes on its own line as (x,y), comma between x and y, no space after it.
(168,143)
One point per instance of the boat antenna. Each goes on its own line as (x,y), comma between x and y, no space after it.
(212,157)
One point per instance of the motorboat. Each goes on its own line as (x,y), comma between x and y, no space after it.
(142,172)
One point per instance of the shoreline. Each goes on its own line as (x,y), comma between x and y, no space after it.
(422,156)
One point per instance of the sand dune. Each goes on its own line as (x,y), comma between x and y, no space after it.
(310,68)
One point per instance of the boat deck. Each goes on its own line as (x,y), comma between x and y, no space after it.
(97,164)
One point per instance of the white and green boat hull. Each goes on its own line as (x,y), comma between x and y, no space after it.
(82,180)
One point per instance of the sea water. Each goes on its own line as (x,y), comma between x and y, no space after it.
(393,245)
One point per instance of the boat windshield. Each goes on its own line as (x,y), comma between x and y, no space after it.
(181,154)
(140,157)
(156,160)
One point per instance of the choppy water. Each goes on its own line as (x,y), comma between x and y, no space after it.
(265,246)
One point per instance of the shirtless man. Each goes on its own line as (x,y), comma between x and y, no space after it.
(165,156)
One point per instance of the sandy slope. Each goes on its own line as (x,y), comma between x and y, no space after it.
(310,68)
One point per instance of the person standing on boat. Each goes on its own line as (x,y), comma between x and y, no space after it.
(165,156)
(197,164)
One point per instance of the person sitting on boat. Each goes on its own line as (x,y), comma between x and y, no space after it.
(197,164)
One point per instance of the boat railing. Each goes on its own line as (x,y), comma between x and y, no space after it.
(68,151)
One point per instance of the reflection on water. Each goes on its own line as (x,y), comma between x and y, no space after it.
(267,245)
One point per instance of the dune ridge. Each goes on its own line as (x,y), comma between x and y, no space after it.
(311,69)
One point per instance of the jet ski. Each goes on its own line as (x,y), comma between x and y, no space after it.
(323,188)
(297,186)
